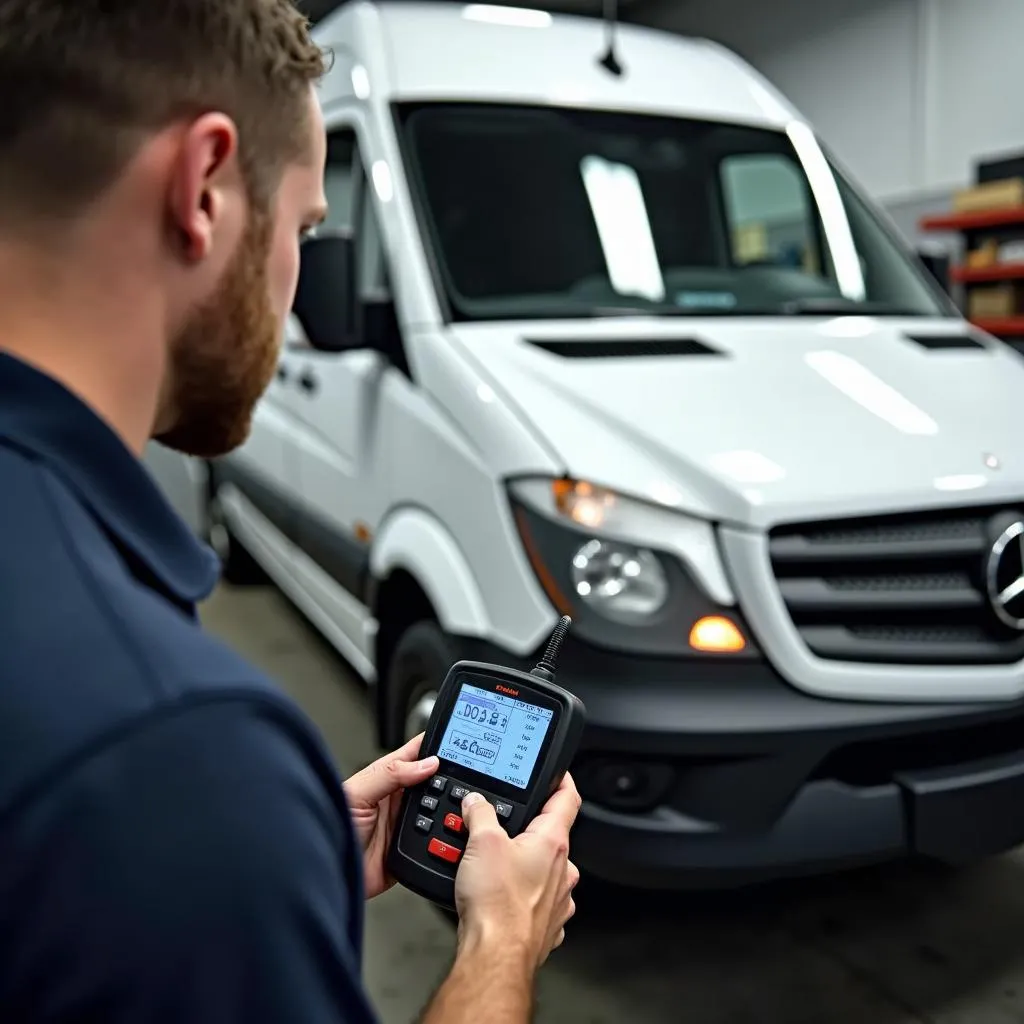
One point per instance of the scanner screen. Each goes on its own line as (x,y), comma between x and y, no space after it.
(495,734)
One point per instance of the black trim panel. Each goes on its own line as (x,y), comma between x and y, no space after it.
(745,779)
(623,348)
(946,342)
(278,508)
(712,707)
(340,555)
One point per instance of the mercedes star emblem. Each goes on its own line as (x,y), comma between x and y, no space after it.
(1004,576)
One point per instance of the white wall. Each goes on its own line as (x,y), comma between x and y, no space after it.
(975,86)
(906,92)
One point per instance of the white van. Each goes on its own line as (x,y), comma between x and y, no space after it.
(631,346)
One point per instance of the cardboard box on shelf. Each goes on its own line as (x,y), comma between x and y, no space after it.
(993,195)
(996,300)
(985,255)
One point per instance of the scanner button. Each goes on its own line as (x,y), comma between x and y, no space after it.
(438,783)
(443,851)
(428,802)
(459,793)
(453,823)
(503,809)
(423,823)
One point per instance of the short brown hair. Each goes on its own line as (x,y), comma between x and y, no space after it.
(83,81)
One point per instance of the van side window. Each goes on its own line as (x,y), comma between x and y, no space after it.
(373,267)
(340,180)
(769,212)
(350,198)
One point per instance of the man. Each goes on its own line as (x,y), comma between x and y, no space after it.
(174,845)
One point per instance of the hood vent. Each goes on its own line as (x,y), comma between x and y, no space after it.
(946,342)
(625,348)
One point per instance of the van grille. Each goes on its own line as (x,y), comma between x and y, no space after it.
(904,589)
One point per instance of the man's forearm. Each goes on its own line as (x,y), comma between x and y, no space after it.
(490,981)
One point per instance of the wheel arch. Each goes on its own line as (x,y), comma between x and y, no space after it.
(418,572)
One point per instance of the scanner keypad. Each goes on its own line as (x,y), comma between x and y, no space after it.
(439,822)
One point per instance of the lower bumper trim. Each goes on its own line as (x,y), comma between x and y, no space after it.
(828,827)
(956,818)
(975,813)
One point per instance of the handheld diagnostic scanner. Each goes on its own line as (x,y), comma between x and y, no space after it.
(505,734)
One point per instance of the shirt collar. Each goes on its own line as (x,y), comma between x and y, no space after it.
(43,418)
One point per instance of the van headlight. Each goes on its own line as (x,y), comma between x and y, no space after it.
(604,559)
(619,581)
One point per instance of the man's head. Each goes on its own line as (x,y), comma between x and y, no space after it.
(186,134)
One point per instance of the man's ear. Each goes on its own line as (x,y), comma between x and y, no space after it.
(206,164)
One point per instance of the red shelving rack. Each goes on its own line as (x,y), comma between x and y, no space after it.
(1008,327)
(1002,326)
(975,220)
(978,275)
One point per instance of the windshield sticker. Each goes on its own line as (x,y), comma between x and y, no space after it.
(705,300)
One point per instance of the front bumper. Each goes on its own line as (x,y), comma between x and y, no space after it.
(743,779)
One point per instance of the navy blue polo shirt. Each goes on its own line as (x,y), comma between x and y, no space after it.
(174,843)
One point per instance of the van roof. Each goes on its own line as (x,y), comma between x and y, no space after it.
(454,51)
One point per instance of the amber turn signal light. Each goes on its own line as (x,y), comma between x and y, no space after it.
(715,634)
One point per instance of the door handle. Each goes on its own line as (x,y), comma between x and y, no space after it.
(308,381)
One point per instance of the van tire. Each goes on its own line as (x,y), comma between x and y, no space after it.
(238,567)
(419,664)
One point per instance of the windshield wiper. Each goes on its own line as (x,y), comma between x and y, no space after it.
(838,306)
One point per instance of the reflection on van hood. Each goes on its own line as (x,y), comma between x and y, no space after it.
(768,420)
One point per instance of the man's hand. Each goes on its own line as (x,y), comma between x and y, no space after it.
(374,796)
(519,888)
(514,898)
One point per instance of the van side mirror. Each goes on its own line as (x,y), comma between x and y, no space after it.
(937,262)
(326,302)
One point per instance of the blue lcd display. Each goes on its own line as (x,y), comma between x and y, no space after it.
(495,734)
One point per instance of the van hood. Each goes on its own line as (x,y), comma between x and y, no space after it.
(764,421)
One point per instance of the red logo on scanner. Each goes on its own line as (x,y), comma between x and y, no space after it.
(507,689)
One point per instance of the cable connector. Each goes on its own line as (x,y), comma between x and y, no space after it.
(546,666)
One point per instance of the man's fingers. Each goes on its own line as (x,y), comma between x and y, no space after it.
(572,876)
(479,816)
(560,811)
(409,773)
(391,773)
(409,752)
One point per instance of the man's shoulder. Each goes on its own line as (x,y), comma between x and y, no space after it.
(204,857)
(89,652)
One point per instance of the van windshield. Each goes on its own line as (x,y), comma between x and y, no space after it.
(538,212)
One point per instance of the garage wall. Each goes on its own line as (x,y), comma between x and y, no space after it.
(907,93)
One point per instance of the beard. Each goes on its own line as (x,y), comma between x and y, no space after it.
(224,357)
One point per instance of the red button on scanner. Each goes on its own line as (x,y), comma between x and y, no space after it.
(436,848)
(453,823)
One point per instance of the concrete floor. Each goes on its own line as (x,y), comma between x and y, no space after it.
(892,946)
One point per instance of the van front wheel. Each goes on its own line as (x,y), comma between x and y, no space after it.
(421,661)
